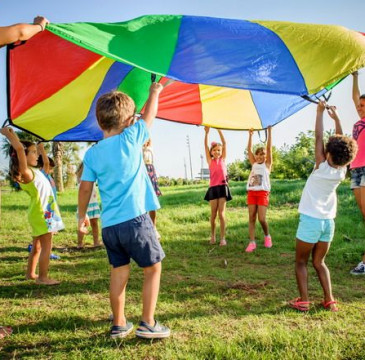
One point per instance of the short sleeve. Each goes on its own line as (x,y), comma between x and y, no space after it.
(137,133)
(88,174)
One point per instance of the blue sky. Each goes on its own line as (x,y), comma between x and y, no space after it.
(171,150)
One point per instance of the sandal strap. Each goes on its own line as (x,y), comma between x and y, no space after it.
(327,304)
(299,301)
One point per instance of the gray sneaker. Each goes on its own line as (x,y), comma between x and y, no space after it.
(147,331)
(121,331)
(359,269)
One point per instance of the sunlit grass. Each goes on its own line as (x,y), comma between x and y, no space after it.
(220,303)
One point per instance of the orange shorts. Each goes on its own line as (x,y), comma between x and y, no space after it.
(258,198)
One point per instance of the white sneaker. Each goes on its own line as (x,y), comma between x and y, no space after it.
(359,269)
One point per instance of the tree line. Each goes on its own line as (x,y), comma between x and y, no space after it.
(289,162)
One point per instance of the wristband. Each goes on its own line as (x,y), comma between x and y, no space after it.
(41,26)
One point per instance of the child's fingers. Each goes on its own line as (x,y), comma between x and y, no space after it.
(84,230)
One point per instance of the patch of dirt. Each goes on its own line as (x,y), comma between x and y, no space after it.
(250,288)
(285,255)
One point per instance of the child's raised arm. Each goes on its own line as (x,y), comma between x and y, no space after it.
(332,112)
(152,103)
(20,32)
(319,145)
(25,172)
(206,146)
(251,157)
(224,147)
(269,148)
(355,89)
(45,159)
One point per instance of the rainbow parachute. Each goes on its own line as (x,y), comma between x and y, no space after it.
(231,74)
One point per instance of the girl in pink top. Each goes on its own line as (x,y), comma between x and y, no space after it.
(358,165)
(218,193)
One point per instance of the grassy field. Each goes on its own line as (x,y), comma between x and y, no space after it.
(220,303)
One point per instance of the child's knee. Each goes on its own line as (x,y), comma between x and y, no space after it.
(318,264)
(252,219)
(36,248)
(153,269)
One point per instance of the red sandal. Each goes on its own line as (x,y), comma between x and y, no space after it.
(327,305)
(299,305)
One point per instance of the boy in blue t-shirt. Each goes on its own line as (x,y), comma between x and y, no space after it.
(127,196)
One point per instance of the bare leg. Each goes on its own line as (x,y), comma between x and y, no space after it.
(222,219)
(118,282)
(46,247)
(319,253)
(151,288)
(33,259)
(94,223)
(262,219)
(153,216)
(213,215)
(252,214)
(360,199)
(302,253)
(80,240)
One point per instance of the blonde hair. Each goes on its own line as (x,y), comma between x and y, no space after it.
(113,109)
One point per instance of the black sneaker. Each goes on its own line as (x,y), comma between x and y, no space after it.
(147,331)
(359,269)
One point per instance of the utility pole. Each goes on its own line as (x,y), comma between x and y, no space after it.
(191,166)
(186,174)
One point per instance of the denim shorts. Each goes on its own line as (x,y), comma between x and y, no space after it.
(312,230)
(357,177)
(134,239)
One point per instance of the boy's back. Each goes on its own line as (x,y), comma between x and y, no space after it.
(117,164)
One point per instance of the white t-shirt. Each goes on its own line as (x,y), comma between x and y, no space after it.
(319,197)
(259,179)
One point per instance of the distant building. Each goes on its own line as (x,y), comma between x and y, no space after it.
(204,174)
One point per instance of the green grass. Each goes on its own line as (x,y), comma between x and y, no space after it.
(214,311)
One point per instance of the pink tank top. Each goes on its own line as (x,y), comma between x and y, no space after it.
(218,172)
(358,133)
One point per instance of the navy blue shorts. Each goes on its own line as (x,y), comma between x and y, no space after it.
(134,239)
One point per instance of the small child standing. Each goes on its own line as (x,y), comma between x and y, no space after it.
(127,195)
(43,214)
(317,209)
(258,190)
(218,193)
(93,213)
(148,161)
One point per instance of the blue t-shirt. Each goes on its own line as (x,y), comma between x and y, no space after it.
(116,163)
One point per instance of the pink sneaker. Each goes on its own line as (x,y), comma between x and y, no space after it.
(251,247)
(223,242)
(268,242)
